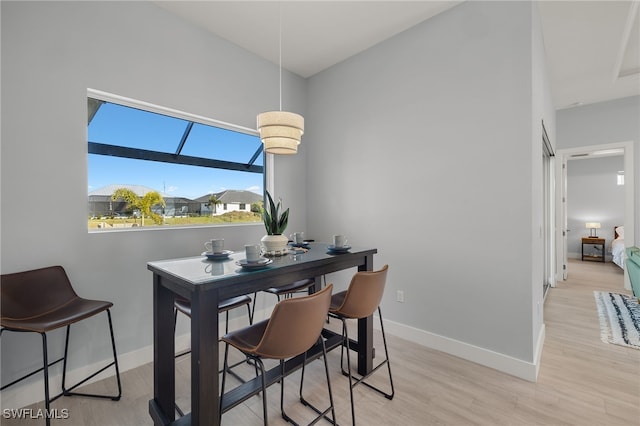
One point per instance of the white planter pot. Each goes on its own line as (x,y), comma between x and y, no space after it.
(274,243)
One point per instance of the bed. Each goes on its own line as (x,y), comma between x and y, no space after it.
(617,246)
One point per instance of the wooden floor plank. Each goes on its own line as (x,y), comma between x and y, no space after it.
(582,380)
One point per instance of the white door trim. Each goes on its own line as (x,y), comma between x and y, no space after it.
(629,203)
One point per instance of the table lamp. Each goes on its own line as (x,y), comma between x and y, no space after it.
(592,226)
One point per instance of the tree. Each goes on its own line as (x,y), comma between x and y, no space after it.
(257,207)
(213,202)
(143,204)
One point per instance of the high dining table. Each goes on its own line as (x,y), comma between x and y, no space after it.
(204,282)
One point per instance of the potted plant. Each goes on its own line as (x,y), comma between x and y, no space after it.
(275,223)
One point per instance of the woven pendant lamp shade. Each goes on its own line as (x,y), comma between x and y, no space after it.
(280,131)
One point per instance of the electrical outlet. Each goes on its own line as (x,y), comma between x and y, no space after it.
(400,296)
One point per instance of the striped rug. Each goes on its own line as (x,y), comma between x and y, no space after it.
(619,319)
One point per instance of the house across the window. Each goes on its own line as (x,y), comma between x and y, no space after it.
(231,200)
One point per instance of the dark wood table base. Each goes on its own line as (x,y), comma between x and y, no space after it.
(189,278)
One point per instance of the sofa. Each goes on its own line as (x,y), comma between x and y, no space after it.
(633,268)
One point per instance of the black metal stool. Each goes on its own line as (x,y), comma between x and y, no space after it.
(42,300)
(286,291)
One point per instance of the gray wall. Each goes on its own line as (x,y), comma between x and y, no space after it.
(426,146)
(51,53)
(603,123)
(593,196)
(423,147)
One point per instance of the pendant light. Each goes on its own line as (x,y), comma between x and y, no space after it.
(280,131)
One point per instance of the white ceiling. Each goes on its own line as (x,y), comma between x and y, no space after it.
(593,47)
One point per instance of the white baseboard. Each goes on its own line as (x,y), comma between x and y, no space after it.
(32,391)
(501,362)
(539,347)
(572,255)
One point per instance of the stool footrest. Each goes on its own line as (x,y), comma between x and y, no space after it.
(67,392)
(30,374)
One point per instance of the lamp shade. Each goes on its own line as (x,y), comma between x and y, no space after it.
(280,131)
(592,225)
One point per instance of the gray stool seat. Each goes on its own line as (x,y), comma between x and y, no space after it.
(184,305)
(294,287)
(286,290)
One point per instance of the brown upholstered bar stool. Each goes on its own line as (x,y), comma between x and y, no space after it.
(361,300)
(43,300)
(286,291)
(294,327)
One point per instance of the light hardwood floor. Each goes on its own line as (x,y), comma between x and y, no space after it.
(582,380)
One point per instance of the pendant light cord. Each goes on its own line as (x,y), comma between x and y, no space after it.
(280,49)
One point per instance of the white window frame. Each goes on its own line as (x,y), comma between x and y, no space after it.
(171,112)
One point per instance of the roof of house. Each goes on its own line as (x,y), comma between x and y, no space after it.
(139,190)
(233,196)
(230,196)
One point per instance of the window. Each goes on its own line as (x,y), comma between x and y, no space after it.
(151,166)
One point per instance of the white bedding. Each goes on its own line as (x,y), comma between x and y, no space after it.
(617,247)
(617,252)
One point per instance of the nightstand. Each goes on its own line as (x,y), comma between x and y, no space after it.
(591,241)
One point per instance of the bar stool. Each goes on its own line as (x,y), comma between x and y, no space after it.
(361,300)
(293,328)
(184,306)
(43,300)
(286,291)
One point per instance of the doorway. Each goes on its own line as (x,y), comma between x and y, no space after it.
(620,148)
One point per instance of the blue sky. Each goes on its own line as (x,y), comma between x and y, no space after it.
(118,125)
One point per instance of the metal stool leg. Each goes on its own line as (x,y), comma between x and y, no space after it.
(45,366)
(322,414)
(67,392)
(354,381)
(45,369)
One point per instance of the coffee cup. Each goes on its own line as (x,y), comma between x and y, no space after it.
(252,252)
(297,237)
(215,245)
(339,240)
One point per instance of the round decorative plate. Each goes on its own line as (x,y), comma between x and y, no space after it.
(254,265)
(335,249)
(217,256)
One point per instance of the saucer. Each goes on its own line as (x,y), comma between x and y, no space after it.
(335,249)
(217,256)
(261,263)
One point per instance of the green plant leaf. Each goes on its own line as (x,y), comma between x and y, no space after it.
(272,208)
(282,223)
(274,223)
(267,221)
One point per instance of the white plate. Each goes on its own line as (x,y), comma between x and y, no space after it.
(217,256)
(254,265)
(335,249)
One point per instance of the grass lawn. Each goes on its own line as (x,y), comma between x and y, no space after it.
(231,217)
